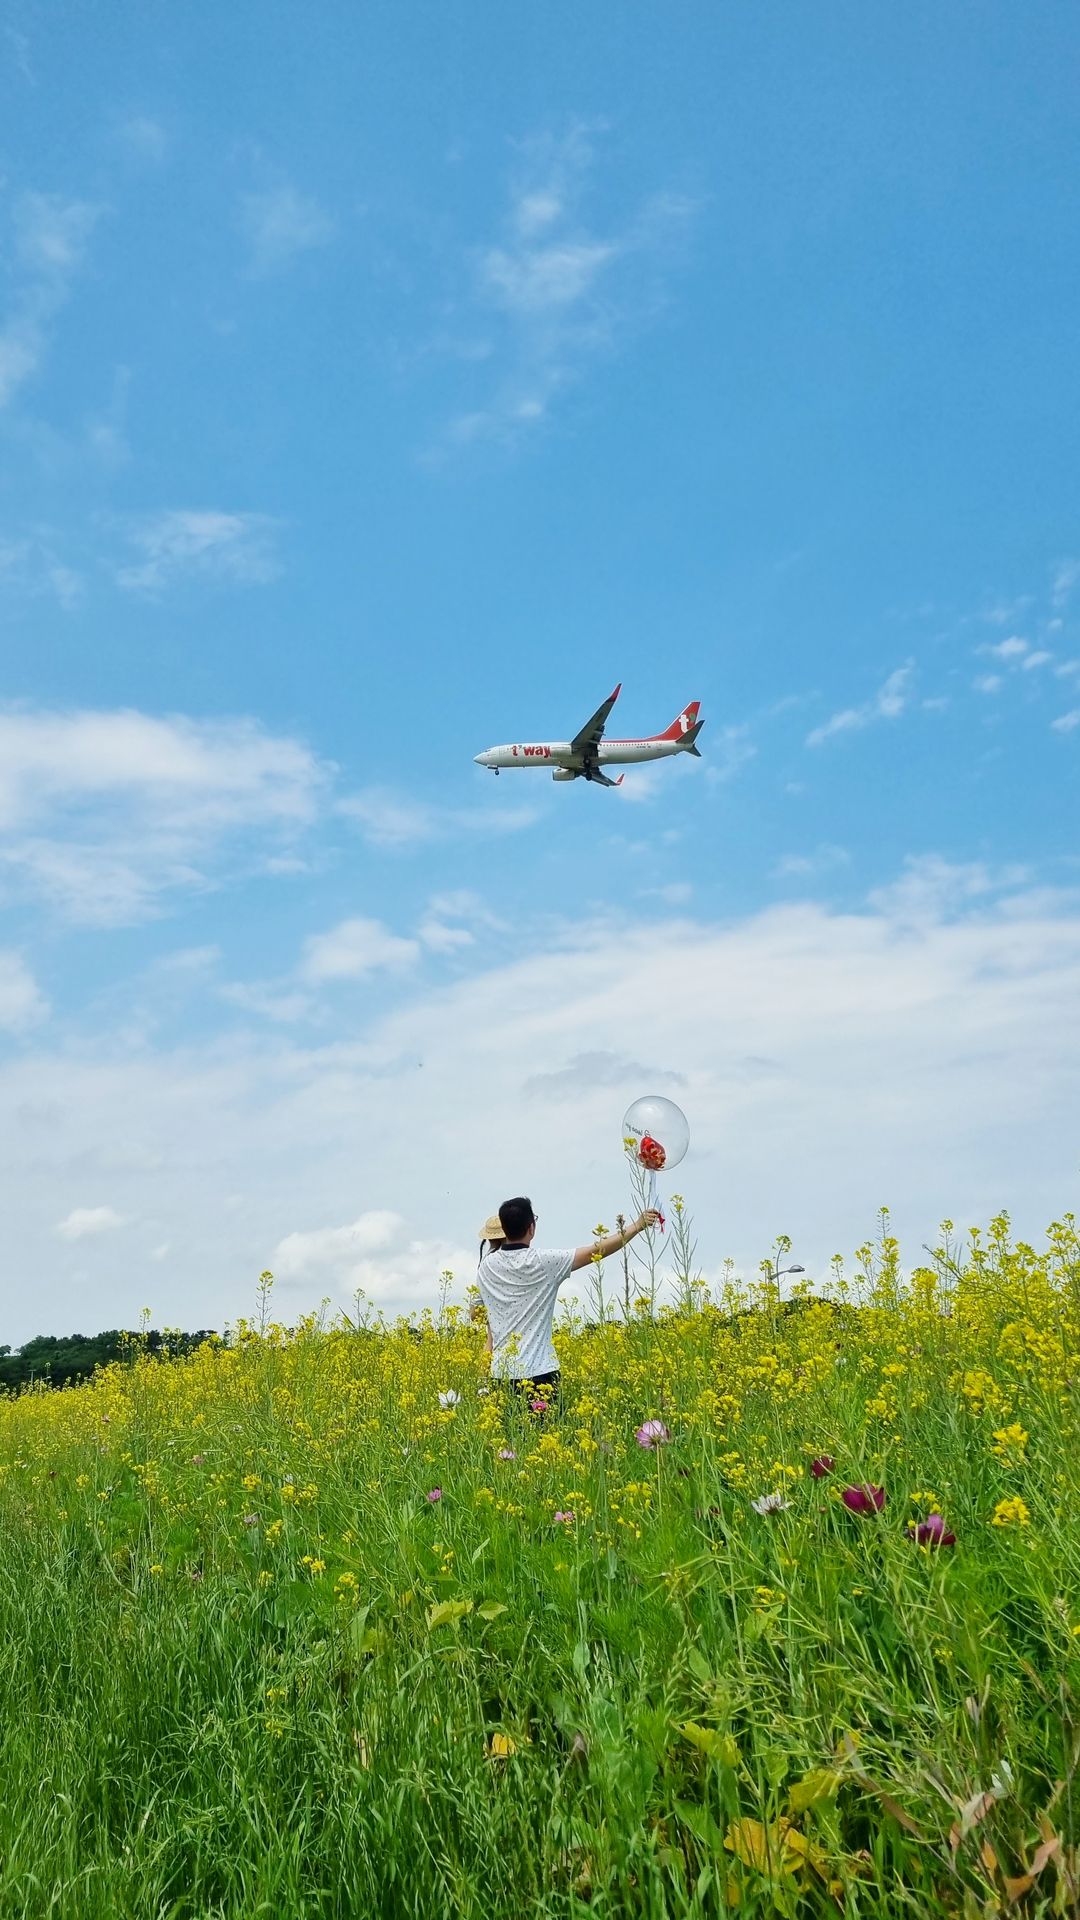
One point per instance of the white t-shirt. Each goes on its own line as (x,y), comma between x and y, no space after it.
(519,1287)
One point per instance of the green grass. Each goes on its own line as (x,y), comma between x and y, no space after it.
(230,1700)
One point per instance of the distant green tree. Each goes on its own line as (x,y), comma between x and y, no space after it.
(59,1359)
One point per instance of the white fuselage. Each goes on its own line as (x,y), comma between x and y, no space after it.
(560,753)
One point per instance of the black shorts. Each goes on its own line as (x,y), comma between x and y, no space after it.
(544,1385)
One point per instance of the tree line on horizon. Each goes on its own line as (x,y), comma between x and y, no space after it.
(58,1360)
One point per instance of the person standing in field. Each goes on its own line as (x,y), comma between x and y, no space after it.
(519,1285)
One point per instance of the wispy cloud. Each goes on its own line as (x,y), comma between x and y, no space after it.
(825,858)
(32,567)
(104,813)
(22,1004)
(84,1221)
(555,288)
(50,236)
(728,750)
(387,819)
(1067,722)
(354,949)
(890,701)
(1066,577)
(280,224)
(143,137)
(177,543)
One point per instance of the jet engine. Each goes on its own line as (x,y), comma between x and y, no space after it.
(564,773)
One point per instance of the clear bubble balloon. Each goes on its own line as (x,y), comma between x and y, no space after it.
(659,1133)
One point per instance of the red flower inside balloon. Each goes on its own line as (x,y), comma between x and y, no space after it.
(651,1153)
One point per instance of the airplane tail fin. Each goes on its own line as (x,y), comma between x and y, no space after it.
(686,726)
(690,740)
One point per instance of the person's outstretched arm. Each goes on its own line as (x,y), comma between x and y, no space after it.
(612,1242)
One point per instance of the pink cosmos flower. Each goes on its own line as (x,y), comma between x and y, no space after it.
(506,1453)
(865,1499)
(931,1532)
(822,1465)
(652,1434)
(564,1519)
(538,1405)
(435,1496)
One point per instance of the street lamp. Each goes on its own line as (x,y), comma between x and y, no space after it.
(780,1273)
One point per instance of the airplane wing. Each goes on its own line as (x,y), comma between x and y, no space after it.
(603,780)
(591,735)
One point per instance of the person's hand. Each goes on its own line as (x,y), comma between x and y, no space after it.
(650,1218)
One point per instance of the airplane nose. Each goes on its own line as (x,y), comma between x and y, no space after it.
(478,759)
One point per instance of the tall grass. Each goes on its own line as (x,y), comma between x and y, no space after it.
(248,1666)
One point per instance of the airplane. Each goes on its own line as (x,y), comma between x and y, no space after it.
(584,757)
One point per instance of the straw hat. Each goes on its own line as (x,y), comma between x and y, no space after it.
(493,1228)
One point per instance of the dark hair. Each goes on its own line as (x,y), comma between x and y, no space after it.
(516,1217)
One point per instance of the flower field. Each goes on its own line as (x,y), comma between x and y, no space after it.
(778,1611)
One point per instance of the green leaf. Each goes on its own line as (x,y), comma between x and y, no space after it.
(819,1784)
(358,1629)
(491,1609)
(711,1742)
(698,1665)
(447,1613)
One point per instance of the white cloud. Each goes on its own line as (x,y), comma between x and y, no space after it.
(389,819)
(22,1003)
(555,291)
(354,949)
(728,750)
(890,701)
(104,813)
(829,1061)
(144,137)
(1037,659)
(31,567)
(1066,722)
(373,1256)
(280,224)
(442,938)
(988,683)
(239,548)
(50,238)
(83,1221)
(825,858)
(270,1002)
(1066,575)
(1012,649)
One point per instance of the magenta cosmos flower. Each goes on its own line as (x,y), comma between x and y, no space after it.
(563,1519)
(435,1496)
(931,1532)
(865,1499)
(652,1434)
(822,1465)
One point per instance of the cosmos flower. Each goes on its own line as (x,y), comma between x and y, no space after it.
(563,1519)
(449,1399)
(866,1499)
(771,1503)
(506,1453)
(822,1465)
(652,1434)
(931,1532)
(434,1496)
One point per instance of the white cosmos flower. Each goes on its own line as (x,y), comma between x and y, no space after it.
(450,1398)
(771,1503)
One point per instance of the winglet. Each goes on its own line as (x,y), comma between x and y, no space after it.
(617,691)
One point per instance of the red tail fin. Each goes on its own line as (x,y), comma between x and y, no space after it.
(686,721)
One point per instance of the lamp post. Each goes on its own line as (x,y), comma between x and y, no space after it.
(780,1273)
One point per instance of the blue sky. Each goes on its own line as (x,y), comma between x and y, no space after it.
(376,384)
